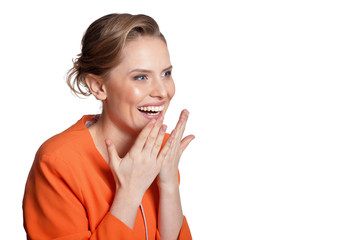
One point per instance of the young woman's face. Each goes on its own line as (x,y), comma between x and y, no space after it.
(141,86)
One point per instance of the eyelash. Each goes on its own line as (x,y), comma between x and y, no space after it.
(167,74)
(141,77)
(145,77)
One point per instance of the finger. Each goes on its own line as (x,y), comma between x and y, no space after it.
(166,148)
(185,142)
(159,141)
(142,137)
(173,143)
(152,137)
(112,153)
(181,124)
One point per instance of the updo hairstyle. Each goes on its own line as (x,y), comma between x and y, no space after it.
(102,46)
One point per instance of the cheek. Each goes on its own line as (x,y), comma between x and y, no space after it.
(134,95)
(136,92)
(123,97)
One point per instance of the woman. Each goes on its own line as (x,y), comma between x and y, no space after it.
(108,176)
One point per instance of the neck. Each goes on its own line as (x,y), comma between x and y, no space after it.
(103,129)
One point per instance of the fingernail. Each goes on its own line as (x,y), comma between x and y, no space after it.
(164,128)
(160,119)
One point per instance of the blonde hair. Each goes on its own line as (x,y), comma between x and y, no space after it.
(102,46)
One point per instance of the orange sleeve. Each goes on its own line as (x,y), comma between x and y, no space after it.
(185,233)
(53,206)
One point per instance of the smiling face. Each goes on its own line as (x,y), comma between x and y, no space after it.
(141,86)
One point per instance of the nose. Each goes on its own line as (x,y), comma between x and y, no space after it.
(159,88)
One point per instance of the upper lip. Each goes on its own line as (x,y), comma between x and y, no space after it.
(155,104)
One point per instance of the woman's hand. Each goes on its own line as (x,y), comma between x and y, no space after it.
(170,214)
(140,166)
(134,173)
(168,176)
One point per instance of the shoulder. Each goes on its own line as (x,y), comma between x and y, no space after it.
(61,160)
(67,144)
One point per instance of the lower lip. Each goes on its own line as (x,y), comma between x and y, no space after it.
(148,116)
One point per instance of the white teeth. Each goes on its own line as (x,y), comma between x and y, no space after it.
(152,109)
(153,113)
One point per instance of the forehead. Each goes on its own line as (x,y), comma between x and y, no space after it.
(145,52)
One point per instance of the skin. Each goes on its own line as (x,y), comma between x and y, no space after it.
(132,141)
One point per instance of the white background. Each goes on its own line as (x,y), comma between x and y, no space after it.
(273,88)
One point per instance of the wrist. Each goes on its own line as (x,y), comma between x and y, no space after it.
(125,206)
(169,180)
(127,197)
(168,187)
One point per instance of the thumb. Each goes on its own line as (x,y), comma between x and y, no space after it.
(185,142)
(112,154)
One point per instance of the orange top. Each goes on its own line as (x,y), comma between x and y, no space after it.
(70,189)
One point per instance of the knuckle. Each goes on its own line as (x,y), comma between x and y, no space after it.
(151,138)
(157,145)
(163,153)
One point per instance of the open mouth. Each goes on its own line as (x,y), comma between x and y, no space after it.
(151,110)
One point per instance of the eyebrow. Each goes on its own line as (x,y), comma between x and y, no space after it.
(149,71)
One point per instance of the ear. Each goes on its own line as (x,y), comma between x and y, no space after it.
(96,86)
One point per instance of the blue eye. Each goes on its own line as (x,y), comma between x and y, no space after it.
(140,77)
(167,74)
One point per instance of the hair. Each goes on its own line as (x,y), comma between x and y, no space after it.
(102,46)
